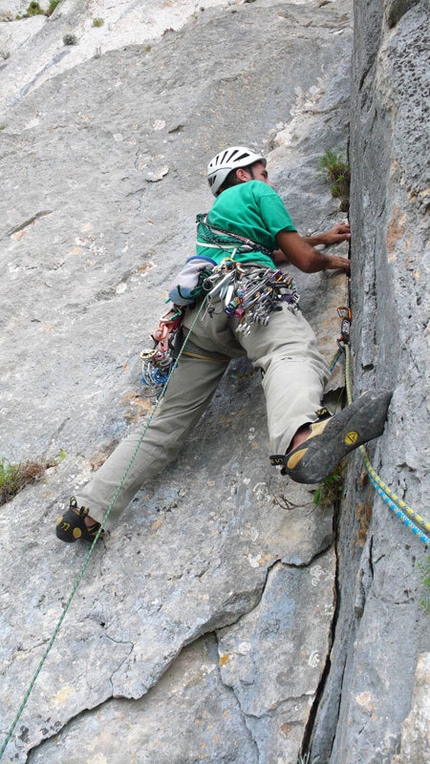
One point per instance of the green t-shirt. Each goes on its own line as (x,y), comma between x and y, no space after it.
(253,210)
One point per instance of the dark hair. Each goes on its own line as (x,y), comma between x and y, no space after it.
(232,179)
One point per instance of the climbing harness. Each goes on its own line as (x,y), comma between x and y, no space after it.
(250,293)
(219,238)
(415,522)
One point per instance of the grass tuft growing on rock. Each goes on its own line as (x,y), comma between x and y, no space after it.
(331,489)
(336,171)
(424,569)
(52,6)
(70,39)
(306,758)
(34,9)
(14,477)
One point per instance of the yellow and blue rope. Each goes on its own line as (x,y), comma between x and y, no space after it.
(399,507)
(389,497)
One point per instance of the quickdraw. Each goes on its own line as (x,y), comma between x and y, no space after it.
(250,293)
(157,362)
(345,313)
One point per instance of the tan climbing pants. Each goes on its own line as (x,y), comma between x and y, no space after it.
(294,376)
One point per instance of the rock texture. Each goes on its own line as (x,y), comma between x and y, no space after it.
(415,743)
(381,628)
(226,619)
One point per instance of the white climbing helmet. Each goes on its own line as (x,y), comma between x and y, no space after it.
(230,159)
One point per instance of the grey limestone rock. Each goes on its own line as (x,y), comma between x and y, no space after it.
(103,172)
(226,618)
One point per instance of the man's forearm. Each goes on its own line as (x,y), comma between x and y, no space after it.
(314,241)
(306,258)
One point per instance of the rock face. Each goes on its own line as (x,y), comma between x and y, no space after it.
(227,618)
(381,628)
(415,743)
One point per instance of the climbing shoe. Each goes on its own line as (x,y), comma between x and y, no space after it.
(71,526)
(332,439)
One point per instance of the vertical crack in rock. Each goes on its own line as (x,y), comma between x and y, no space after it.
(190,697)
(230,688)
(310,725)
(276,692)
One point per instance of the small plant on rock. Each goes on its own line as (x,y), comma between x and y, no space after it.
(34,9)
(331,489)
(306,758)
(424,569)
(52,6)
(336,172)
(70,39)
(14,477)
(98,22)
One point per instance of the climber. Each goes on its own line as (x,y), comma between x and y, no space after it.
(253,313)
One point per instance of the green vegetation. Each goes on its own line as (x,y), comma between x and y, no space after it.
(34,9)
(52,6)
(336,171)
(331,488)
(14,477)
(70,39)
(424,569)
(306,759)
(98,22)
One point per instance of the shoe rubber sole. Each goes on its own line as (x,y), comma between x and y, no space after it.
(71,526)
(335,438)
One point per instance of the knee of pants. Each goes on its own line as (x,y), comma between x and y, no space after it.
(287,362)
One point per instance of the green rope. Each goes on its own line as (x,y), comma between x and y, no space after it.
(88,556)
(390,498)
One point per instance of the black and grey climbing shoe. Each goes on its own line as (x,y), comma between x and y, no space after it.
(332,439)
(71,526)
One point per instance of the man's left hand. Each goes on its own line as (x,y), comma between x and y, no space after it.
(339,232)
